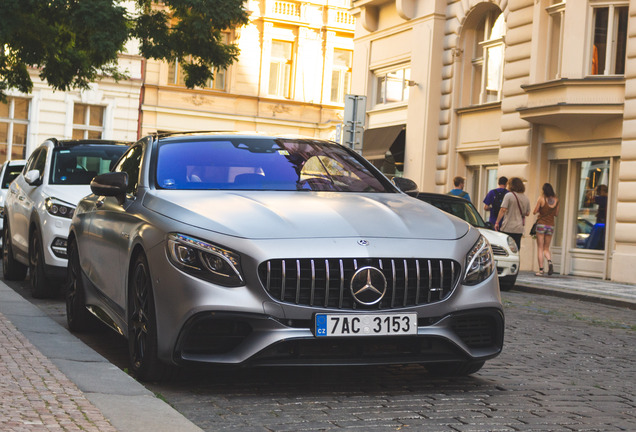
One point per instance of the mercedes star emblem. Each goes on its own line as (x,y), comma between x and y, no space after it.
(368,285)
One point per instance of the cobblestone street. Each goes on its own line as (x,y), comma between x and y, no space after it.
(567,365)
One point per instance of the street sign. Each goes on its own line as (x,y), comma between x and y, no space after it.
(354,119)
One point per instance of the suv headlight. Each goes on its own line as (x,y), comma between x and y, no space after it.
(57,208)
(512,245)
(479,262)
(205,260)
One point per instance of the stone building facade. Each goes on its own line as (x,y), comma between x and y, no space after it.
(543,90)
(291,77)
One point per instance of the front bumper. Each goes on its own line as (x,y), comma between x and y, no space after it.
(474,335)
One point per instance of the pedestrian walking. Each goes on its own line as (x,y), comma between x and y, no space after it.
(459,182)
(494,198)
(514,209)
(547,208)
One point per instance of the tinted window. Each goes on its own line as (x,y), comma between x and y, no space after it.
(10,174)
(264,164)
(131,164)
(80,164)
(457,207)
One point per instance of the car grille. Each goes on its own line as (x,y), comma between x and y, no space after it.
(325,282)
(498,250)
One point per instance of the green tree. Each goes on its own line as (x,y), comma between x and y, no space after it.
(75,42)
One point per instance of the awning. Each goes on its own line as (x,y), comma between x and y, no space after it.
(376,142)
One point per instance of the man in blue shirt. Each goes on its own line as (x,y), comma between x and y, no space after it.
(459,183)
(494,198)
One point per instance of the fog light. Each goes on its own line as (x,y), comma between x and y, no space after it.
(59,247)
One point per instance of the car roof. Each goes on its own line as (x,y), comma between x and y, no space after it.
(234,134)
(72,143)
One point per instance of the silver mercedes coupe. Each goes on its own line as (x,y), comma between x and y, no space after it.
(246,249)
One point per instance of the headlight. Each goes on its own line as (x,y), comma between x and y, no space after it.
(512,245)
(57,208)
(205,260)
(479,262)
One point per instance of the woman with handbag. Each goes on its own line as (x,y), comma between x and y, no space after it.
(515,207)
(547,209)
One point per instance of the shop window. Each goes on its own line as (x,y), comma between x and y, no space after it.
(14,125)
(555,40)
(341,74)
(488,59)
(88,121)
(280,69)
(609,40)
(592,204)
(393,85)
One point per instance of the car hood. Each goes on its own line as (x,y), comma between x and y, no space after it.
(287,215)
(70,194)
(496,238)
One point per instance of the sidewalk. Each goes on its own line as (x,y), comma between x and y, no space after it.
(589,289)
(50,380)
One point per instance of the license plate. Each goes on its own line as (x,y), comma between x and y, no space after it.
(366,324)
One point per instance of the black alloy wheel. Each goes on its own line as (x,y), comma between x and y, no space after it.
(78,318)
(142,324)
(12,269)
(41,287)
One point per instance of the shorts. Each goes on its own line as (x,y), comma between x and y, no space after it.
(545,229)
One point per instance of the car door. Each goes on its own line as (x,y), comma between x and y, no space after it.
(110,230)
(22,201)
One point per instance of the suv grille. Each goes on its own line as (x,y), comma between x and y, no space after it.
(324,282)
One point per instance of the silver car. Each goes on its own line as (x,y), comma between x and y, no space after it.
(266,250)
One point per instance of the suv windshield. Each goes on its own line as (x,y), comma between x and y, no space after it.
(264,164)
(10,174)
(78,165)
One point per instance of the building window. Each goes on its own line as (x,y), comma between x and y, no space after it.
(280,69)
(341,75)
(177,77)
(14,125)
(488,59)
(393,86)
(555,40)
(88,121)
(609,40)
(592,204)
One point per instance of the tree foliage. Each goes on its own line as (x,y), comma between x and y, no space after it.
(74,42)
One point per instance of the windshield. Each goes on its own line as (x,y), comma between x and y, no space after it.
(457,207)
(10,174)
(78,165)
(264,164)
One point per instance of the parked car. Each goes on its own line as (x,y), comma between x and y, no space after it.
(503,246)
(40,203)
(9,171)
(264,250)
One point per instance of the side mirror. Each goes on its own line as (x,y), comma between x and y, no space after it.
(112,184)
(407,186)
(33,178)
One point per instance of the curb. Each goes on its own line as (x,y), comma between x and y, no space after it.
(127,404)
(576,295)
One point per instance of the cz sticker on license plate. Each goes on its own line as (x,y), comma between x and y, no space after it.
(366,324)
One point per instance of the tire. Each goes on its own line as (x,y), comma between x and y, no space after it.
(142,324)
(41,286)
(507,283)
(12,270)
(78,318)
(454,369)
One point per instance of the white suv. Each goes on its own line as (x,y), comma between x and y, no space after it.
(40,204)
(9,171)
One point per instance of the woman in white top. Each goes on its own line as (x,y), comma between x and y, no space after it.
(514,209)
